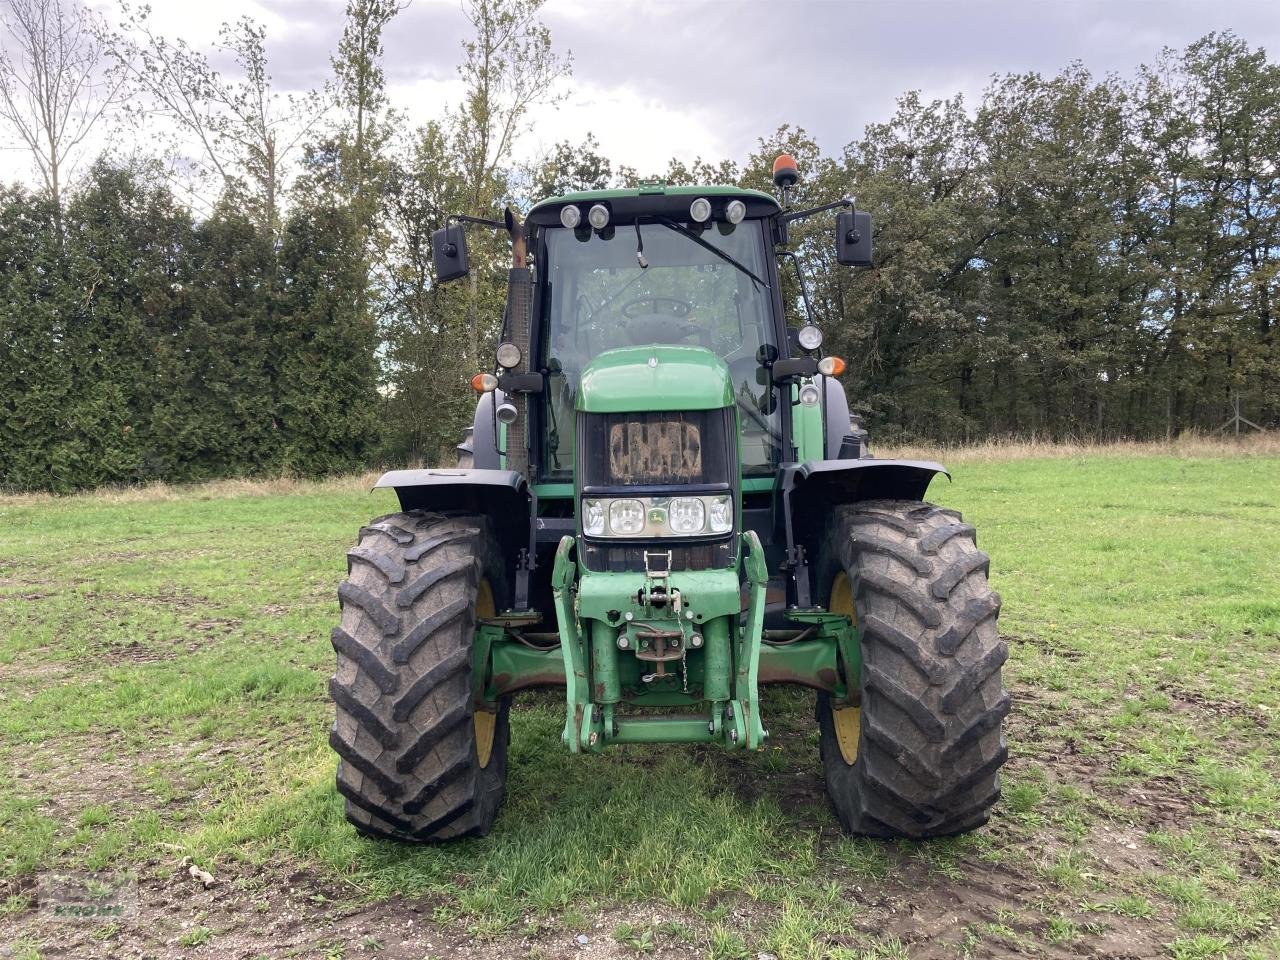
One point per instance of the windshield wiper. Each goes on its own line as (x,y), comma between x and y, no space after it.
(686,232)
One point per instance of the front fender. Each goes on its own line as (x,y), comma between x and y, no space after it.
(501,495)
(808,491)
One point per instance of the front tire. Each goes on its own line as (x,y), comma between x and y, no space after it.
(919,756)
(418,760)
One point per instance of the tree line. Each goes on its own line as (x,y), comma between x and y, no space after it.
(252,293)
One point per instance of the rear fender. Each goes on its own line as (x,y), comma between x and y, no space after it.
(483,442)
(501,495)
(808,491)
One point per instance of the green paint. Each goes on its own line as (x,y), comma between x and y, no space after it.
(595,196)
(486,636)
(807,426)
(716,656)
(808,659)
(707,593)
(512,659)
(655,378)
(843,641)
(577,691)
(660,730)
(553,491)
(605,686)
(746,686)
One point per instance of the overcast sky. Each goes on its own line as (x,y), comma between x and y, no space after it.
(655,79)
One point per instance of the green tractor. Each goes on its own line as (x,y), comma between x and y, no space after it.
(664,504)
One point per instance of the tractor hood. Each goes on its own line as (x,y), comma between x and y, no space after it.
(655,378)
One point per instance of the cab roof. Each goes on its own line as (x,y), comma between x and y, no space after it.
(653,199)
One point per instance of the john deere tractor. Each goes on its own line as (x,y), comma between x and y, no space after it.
(663,504)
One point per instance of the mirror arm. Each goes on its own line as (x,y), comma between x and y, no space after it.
(801,214)
(463,218)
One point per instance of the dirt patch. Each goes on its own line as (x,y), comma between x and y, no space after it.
(1121,849)
(796,788)
(34,672)
(274,912)
(1187,701)
(101,771)
(1051,647)
(192,637)
(133,652)
(76,775)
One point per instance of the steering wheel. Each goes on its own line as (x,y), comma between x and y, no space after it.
(659,320)
(673,307)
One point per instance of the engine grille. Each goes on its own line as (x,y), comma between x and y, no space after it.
(657,449)
(658,454)
(661,451)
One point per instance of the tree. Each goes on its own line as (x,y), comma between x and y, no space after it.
(428,395)
(55,83)
(361,91)
(37,448)
(328,408)
(568,168)
(508,66)
(241,128)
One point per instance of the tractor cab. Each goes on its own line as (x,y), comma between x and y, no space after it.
(655,275)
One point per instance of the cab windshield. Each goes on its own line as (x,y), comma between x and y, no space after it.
(600,298)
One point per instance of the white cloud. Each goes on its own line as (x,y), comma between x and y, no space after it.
(633,129)
(656,79)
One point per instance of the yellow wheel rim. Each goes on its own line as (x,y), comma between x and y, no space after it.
(842,597)
(848,724)
(486,723)
(847,721)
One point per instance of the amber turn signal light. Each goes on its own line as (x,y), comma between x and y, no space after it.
(484,383)
(832,366)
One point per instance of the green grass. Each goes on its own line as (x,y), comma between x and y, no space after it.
(162,692)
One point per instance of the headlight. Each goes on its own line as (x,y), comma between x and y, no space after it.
(700,210)
(570,216)
(735,211)
(626,517)
(593,517)
(598,216)
(809,337)
(687,515)
(657,517)
(720,515)
(508,355)
(809,395)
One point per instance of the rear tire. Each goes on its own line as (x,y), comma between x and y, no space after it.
(417,762)
(921,758)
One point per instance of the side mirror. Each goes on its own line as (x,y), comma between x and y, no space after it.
(853,238)
(449,253)
(784,370)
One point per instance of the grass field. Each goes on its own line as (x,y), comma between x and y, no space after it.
(163,661)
